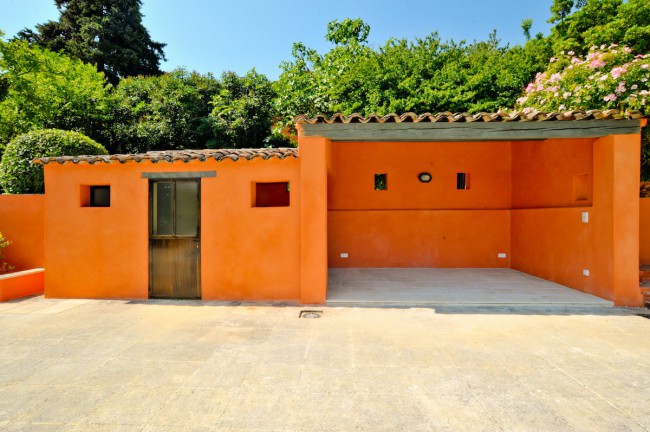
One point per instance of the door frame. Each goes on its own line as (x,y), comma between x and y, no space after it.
(173,179)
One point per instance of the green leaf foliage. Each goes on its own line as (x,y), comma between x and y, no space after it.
(243,111)
(170,111)
(40,89)
(108,34)
(423,75)
(598,22)
(18,175)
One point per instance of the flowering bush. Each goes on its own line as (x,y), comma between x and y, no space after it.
(4,265)
(608,77)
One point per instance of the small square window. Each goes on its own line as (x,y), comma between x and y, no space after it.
(381,182)
(276,194)
(462,180)
(100,196)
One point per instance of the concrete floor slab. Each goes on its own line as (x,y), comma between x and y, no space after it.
(207,366)
(436,286)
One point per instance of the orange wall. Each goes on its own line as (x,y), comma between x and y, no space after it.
(354,164)
(103,252)
(419,238)
(544,172)
(315,163)
(644,231)
(415,224)
(21,222)
(552,242)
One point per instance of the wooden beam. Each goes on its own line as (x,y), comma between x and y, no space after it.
(474,131)
(178,175)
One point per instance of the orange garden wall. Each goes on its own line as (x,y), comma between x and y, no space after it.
(21,221)
(95,252)
(415,224)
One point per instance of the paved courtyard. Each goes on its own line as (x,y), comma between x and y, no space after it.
(78,365)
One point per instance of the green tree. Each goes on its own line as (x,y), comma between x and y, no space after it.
(42,89)
(421,75)
(598,22)
(161,113)
(106,33)
(526,25)
(243,111)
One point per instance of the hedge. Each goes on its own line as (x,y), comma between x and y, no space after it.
(18,175)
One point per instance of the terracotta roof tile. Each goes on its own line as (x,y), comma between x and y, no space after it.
(178,155)
(448,117)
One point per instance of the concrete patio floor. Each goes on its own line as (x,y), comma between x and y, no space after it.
(452,286)
(79,365)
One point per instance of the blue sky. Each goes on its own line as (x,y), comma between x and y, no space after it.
(215,35)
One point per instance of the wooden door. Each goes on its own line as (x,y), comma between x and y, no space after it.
(174,239)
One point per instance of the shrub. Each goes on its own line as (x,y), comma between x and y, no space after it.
(608,77)
(4,265)
(17,172)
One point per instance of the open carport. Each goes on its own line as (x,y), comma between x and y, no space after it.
(485,208)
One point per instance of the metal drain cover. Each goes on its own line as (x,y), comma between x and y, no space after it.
(310,314)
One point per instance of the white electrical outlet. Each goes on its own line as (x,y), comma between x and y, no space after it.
(344,254)
(585,217)
(501,255)
(585,272)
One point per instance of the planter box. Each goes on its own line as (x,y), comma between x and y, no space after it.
(21,284)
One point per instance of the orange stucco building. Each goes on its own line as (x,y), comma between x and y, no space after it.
(552,195)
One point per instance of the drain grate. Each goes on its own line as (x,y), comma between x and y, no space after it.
(310,314)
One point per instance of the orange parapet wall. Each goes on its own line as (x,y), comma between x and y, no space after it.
(21,284)
(21,222)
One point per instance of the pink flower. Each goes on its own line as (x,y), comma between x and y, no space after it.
(644,66)
(634,87)
(553,60)
(618,71)
(610,98)
(530,88)
(527,110)
(555,77)
(566,95)
(571,53)
(522,100)
(596,63)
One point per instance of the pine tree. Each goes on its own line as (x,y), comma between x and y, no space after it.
(107,33)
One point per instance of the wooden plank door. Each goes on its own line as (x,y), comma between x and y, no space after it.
(174,239)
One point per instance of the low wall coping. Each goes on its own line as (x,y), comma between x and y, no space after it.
(22,273)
